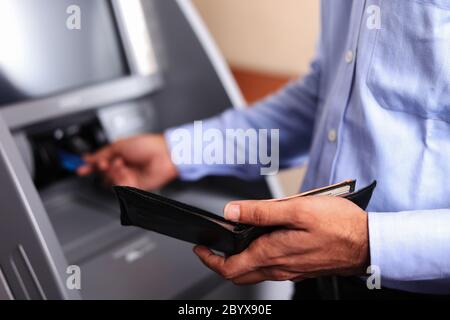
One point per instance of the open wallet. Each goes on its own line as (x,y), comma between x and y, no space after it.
(184,222)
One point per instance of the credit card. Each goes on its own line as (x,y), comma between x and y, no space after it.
(70,161)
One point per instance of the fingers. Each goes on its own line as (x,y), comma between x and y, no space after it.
(299,278)
(266,274)
(100,160)
(85,170)
(242,274)
(104,154)
(263,213)
(211,260)
(220,265)
(121,175)
(228,268)
(260,262)
(251,278)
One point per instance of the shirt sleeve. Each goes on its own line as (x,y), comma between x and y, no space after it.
(292,111)
(412,249)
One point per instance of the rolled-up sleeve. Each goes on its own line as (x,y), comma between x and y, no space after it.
(412,248)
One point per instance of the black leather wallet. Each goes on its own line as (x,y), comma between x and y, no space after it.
(181,221)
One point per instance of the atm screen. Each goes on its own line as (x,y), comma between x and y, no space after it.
(53,46)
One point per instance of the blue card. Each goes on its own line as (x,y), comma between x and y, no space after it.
(70,161)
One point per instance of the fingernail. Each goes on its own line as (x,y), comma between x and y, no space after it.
(233,212)
(197,249)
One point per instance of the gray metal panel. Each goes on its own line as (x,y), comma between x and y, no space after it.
(138,84)
(28,113)
(192,90)
(30,255)
(126,263)
(5,290)
(148,266)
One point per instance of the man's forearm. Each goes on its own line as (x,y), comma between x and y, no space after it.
(291,111)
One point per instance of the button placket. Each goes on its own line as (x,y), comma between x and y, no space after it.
(334,123)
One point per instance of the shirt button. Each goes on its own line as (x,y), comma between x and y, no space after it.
(332,135)
(349,56)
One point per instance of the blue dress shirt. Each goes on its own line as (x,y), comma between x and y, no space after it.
(375,106)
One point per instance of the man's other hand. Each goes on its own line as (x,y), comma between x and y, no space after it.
(319,236)
(143,162)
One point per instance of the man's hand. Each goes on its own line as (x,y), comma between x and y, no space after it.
(143,162)
(320,236)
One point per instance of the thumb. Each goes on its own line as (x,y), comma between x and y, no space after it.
(262,213)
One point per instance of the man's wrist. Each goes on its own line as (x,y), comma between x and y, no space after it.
(362,246)
(365,250)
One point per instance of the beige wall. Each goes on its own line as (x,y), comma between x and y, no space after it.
(277,36)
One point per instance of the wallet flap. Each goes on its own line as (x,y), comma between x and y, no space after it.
(178,220)
(181,221)
(362,197)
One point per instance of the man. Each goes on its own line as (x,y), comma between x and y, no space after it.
(376,105)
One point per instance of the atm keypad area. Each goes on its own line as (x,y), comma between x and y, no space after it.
(121,262)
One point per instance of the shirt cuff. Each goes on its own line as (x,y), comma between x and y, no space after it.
(411,246)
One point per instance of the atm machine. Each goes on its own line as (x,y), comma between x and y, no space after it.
(133,66)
